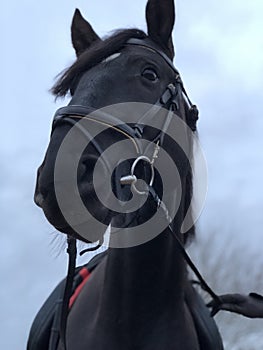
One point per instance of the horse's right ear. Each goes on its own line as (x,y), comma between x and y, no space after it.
(160,16)
(82,33)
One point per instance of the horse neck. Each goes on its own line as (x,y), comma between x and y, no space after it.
(149,277)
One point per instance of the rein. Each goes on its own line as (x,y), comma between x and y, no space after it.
(170,100)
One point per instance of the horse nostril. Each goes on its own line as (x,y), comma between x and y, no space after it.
(86,168)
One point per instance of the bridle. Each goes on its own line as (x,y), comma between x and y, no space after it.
(169,100)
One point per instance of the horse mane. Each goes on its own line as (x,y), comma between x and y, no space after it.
(96,53)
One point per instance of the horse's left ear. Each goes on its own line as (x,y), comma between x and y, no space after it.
(82,33)
(160,17)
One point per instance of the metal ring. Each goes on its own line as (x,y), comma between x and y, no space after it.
(137,160)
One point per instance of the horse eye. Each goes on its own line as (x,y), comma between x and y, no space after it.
(150,74)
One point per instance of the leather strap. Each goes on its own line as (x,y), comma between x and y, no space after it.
(72,252)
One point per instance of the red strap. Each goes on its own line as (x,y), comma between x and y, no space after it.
(85,274)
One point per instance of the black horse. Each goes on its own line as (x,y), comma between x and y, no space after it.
(139,296)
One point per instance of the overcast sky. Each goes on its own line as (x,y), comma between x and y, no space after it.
(219,52)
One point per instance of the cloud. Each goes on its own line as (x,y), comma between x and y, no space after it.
(233,33)
(220,54)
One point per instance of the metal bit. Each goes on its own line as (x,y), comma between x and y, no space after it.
(128,180)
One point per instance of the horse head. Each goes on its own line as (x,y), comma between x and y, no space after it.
(127,67)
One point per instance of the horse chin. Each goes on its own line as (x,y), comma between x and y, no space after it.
(69,231)
(65,228)
(56,219)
